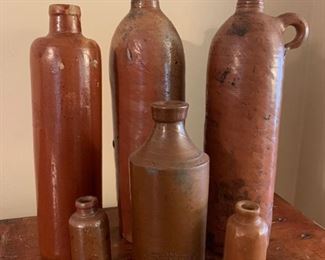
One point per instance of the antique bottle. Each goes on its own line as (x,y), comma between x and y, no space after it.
(169,185)
(247,233)
(244,90)
(146,65)
(89,231)
(66,98)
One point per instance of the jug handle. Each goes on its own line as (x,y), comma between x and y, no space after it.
(301,26)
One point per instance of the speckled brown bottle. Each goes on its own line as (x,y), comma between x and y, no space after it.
(89,231)
(146,65)
(169,184)
(66,95)
(244,90)
(247,233)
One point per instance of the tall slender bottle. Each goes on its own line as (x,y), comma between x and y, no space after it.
(169,183)
(244,91)
(66,97)
(146,65)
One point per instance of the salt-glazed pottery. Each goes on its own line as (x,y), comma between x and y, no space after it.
(66,97)
(89,231)
(244,91)
(146,65)
(247,235)
(169,184)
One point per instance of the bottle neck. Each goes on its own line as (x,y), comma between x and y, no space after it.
(250,6)
(154,4)
(87,212)
(169,130)
(63,23)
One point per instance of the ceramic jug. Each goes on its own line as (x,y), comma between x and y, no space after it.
(247,233)
(244,91)
(89,231)
(66,99)
(146,65)
(169,184)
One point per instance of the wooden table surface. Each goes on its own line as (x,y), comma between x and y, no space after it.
(294,237)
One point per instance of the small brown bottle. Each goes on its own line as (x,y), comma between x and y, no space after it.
(89,231)
(169,187)
(247,234)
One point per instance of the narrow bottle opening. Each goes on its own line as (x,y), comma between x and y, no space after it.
(248,208)
(145,3)
(250,5)
(63,9)
(86,205)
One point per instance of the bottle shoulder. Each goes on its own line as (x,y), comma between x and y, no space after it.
(243,26)
(179,154)
(97,220)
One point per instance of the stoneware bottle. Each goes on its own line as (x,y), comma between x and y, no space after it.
(146,65)
(89,231)
(66,97)
(247,233)
(169,183)
(244,91)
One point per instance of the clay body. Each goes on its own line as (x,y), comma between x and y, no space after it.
(89,231)
(244,91)
(146,65)
(247,233)
(66,97)
(169,184)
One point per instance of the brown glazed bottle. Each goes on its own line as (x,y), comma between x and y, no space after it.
(247,233)
(66,96)
(89,231)
(169,184)
(244,91)
(146,65)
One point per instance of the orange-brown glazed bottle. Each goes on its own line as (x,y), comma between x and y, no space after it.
(244,91)
(146,65)
(89,231)
(169,184)
(247,235)
(66,97)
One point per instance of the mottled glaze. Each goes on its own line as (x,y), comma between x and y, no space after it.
(146,65)
(244,91)
(247,235)
(66,97)
(169,184)
(89,231)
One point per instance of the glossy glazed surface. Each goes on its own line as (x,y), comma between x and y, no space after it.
(169,184)
(146,65)
(66,97)
(244,91)
(247,234)
(89,231)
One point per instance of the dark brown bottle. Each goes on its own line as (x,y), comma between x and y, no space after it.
(247,235)
(169,183)
(244,91)
(66,96)
(89,231)
(146,65)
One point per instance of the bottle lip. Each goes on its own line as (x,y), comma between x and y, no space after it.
(86,202)
(64,9)
(248,208)
(169,111)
